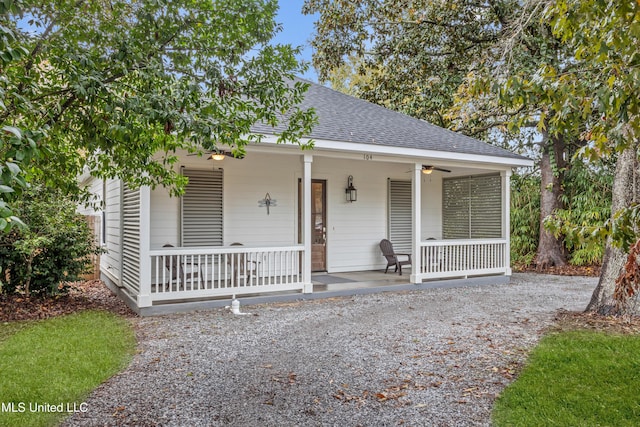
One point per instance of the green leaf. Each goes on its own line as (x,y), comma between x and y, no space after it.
(6,189)
(13,130)
(13,168)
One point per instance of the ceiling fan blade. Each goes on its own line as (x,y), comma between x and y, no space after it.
(442,170)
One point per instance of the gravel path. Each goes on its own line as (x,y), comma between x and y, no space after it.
(437,357)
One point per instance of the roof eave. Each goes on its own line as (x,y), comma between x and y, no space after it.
(377,149)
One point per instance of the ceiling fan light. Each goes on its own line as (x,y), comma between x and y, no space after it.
(427,170)
(217,156)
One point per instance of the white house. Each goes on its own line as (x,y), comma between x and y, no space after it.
(263,224)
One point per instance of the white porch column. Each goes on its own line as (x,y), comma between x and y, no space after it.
(144,296)
(306,227)
(506,218)
(416,224)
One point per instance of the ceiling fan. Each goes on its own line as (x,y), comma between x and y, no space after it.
(426,169)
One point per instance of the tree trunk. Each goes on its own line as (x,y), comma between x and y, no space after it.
(550,249)
(625,191)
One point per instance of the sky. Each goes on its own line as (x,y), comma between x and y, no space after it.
(297,30)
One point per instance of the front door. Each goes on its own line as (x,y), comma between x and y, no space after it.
(318,225)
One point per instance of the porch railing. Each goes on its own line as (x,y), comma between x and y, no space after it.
(188,273)
(451,258)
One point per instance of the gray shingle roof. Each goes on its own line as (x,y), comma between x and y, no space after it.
(345,118)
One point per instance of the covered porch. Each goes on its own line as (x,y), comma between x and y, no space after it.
(166,260)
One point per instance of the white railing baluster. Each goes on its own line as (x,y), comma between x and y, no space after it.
(451,258)
(183,273)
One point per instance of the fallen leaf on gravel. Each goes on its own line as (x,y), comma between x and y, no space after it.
(292,378)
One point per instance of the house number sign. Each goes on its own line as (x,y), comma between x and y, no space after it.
(368,156)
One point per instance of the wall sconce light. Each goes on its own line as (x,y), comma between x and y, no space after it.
(351,192)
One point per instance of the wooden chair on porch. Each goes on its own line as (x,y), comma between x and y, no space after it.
(177,273)
(242,266)
(392,257)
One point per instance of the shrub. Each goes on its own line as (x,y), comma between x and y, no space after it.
(587,201)
(525,218)
(55,246)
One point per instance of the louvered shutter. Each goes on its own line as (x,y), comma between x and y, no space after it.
(399,217)
(486,207)
(202,213)
(472,207)
(130,221)
(455,208)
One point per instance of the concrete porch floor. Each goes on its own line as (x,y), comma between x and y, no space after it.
(331,282)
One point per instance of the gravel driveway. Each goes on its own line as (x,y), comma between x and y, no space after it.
(437,357)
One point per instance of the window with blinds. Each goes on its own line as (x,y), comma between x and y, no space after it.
(399,215)
(472,207)
(202,213)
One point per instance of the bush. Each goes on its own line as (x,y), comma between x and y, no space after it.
(525,218)
(587,200)
(54,248)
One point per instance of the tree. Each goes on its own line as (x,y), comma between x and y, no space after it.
(450,63)
(416,55)
(117,87)
(601,91)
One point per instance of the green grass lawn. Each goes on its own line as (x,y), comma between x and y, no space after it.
(58,362)
(576,378)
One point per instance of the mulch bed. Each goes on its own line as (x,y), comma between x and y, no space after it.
(91,295)
(567,270)
(571,321)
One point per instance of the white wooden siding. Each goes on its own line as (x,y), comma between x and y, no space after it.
(246,182)
(431,206)
(354,230)
(165,217)
(110,262)
(94,186)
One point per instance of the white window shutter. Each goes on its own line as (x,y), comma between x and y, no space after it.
(202,208)
(399,217)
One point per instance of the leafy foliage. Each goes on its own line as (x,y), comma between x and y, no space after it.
(54,248)
(415,55)
(525,218)
(117,88)
(587,201)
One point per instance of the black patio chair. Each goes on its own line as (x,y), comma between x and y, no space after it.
(392,258)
